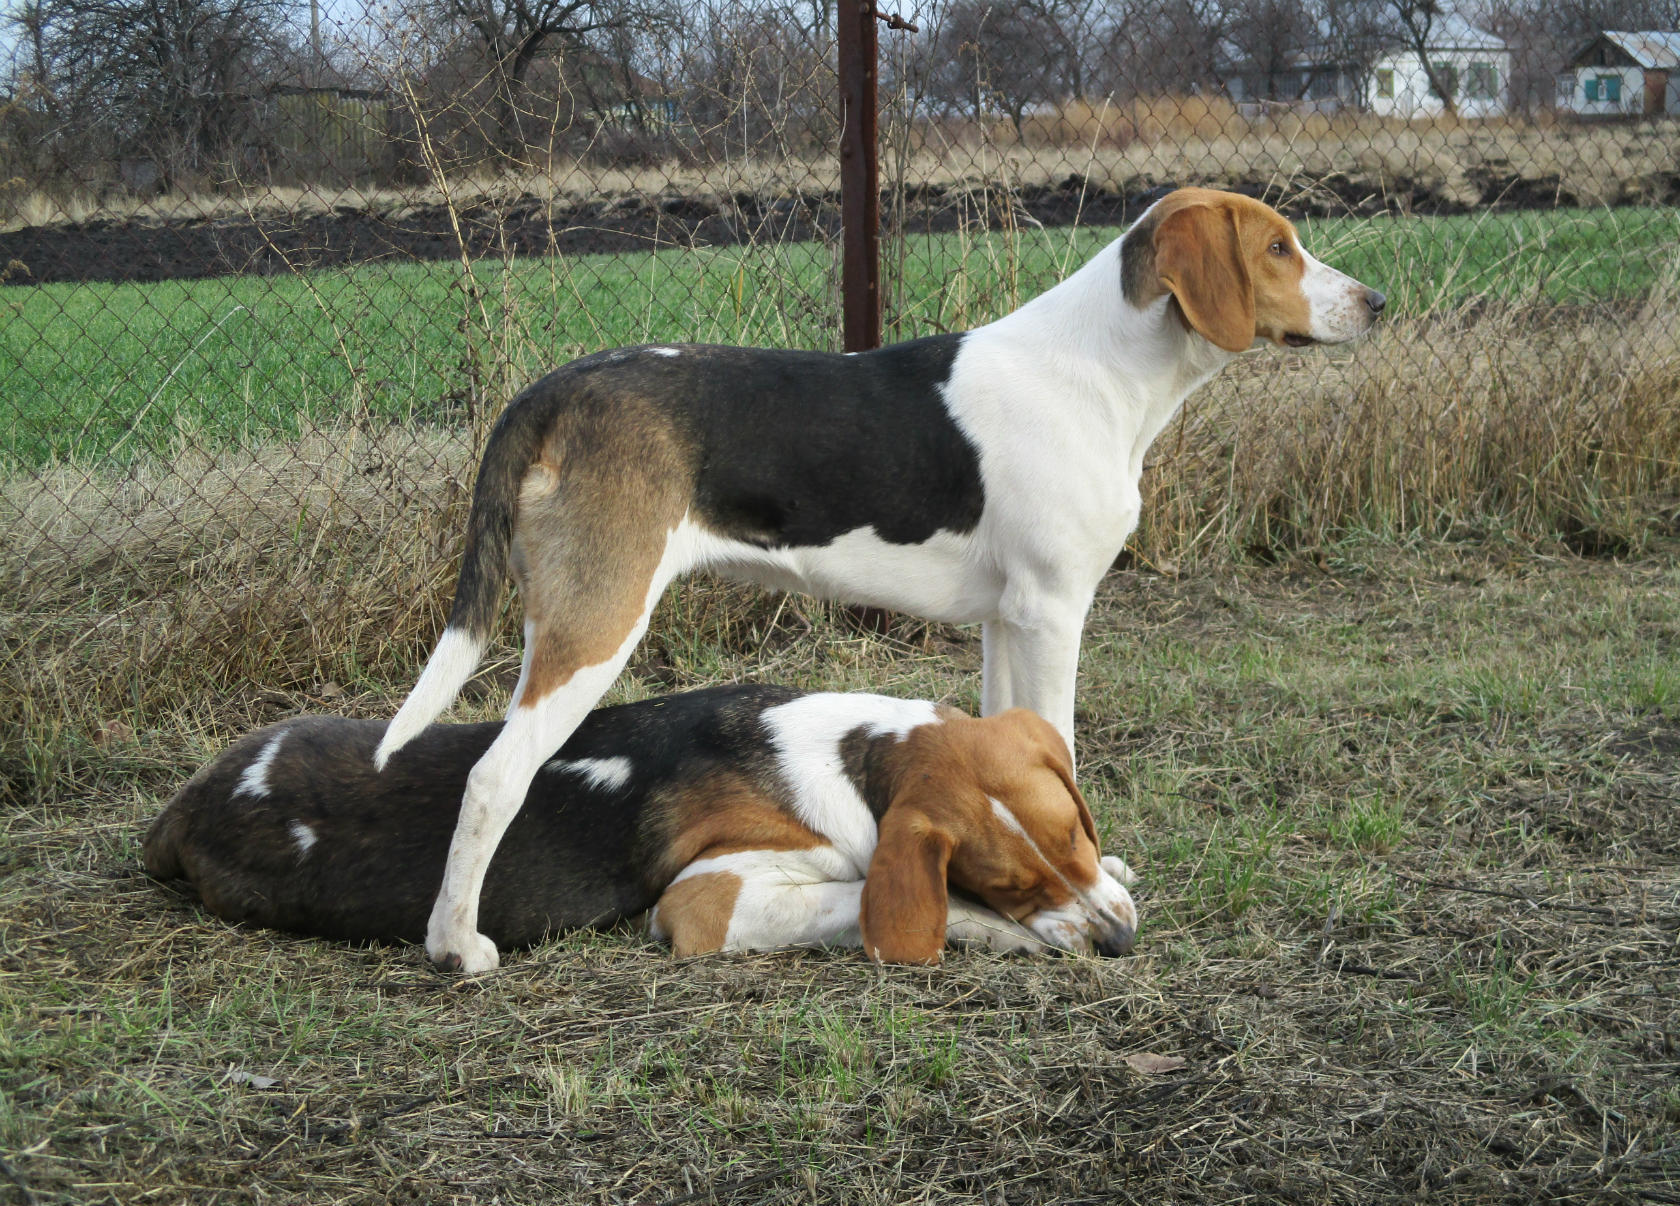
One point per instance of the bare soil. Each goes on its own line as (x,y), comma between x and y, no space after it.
(162,248)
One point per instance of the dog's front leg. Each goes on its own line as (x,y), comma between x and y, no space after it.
(968,924)
(1043,653)
(995,693)
(752,902)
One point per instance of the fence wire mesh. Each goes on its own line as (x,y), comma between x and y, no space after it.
(266,284)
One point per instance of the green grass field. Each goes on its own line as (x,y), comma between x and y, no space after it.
(100,372)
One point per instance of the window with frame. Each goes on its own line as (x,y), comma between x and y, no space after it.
(1610,88)
(1444,80)
(1481,82)
(1385,83)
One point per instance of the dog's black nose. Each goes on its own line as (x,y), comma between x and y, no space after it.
(1117,940)
(1376,301)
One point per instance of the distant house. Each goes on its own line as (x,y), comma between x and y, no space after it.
(1472,66)
(1623,75)
(1387,78)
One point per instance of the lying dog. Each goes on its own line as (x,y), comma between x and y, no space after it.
(745,817)
(989,476)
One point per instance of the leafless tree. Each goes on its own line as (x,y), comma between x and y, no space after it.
(1269,36)
(173,80)
(510,36)
(1004,56)
(1416,21)
(759,82)
(1154,47)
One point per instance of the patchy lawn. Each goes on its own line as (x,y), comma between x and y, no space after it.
(1409,822)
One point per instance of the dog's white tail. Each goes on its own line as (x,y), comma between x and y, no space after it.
(456,656)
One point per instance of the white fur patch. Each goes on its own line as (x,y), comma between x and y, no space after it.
(254,780)
(940,578)
(665,351)
(1118,868)
(806,734)
(602,774)
(303,835)
(787,898)
(1335,301)
(457,655)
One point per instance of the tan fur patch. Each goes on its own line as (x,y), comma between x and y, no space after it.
(541,480)
(696,912)
(724,814)
(957,768)
(1214,253)
(595,512)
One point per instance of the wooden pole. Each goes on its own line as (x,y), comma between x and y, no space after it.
(860,178)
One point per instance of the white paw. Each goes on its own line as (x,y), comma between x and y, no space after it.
(1116,866)
(469,953)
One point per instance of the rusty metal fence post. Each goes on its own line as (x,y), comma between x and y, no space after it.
(860,187)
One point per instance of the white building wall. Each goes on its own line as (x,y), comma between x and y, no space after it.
(1412,96)
(1631,100)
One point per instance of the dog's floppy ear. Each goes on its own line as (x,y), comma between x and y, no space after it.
(1061,761)
(905,902)
(1054,751)
(1199,257)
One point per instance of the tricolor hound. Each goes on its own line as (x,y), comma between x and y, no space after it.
(989,476)
(744,817)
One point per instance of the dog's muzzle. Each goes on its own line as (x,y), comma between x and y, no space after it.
(1114,937)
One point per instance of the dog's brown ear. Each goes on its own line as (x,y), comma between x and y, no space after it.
(1053,751)
(1199,257)
(905,902)
(1061,767)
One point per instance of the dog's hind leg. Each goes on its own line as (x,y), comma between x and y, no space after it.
(589,573)
(497,786)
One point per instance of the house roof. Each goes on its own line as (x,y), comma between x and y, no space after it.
(1452,32)
(1654,50)
(1448,32)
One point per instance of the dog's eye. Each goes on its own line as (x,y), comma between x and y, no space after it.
(1279,247)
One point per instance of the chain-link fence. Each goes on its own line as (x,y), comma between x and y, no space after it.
(265,284)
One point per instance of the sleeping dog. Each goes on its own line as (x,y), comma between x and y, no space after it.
(987,476)
(744,817)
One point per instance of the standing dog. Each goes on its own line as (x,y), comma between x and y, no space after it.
(990,476)
(745,817)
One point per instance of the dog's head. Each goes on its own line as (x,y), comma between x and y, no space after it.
(1239,273)
(990,808)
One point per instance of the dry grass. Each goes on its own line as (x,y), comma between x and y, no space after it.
(1122,148)
(1409,925)
(1539,419)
